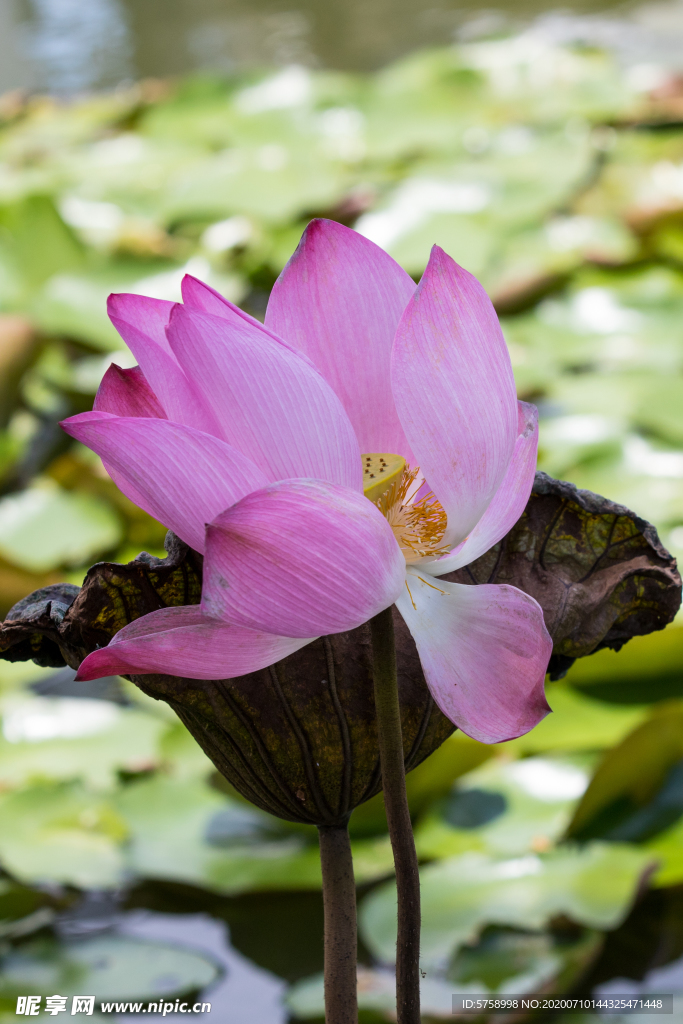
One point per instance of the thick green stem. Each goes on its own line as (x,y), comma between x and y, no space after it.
(339,901)
(398,817)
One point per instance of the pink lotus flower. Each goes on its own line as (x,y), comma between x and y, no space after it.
(246,440)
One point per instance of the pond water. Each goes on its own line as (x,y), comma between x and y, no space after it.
(67,46)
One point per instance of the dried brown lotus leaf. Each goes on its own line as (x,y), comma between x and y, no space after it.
(299,738)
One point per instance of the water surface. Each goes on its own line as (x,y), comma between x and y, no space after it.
(68,46)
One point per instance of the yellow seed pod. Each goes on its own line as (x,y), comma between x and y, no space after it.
(380,471)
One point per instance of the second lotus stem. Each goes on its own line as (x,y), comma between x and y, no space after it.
(398,817)
(339,900)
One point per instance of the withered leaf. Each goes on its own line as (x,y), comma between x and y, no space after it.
(31,629)
(62,623)
(599,572)
(299,738)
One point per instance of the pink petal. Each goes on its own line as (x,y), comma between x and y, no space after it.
(508,502)
(127,393)
(484,651)
(199,296)
(181,476)
(454,391)
(181,642)
(301,558)
(339,300)
(141,322)
(149,316)
(267,401)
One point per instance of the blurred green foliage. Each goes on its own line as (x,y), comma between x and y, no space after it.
(552,175)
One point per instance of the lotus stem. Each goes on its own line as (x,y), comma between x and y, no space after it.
(398,817)
(341,942)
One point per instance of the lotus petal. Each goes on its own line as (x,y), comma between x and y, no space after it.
(484,651)
(455,392)
(182,642)
(301,558)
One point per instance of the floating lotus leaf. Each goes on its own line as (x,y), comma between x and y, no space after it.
(108,966)
(594,885)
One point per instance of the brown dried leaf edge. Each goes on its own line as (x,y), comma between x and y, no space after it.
(599,572)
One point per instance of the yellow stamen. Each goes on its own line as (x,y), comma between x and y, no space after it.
(410,596)
(418,526)
(444,592)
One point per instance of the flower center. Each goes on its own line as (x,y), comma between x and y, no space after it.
(418,526)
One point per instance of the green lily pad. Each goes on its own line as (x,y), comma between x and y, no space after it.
(431,780)
(61,833)
(107,967)
(75,305)
(45,527)
(184,830)
(15,676)
(272,181)
(632,184)
(652,671)
(545,82)
(578,722)
(376,995)
(178,748)
(509,961)
(594,886)
(62,738)
(666,850)
(470,208)
(504,809)
(38,241)
(638,788)
(531,257)
(456,756)
(168,821)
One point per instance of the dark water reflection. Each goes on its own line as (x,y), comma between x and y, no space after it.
(244,992)
(351,34)
(69,45)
